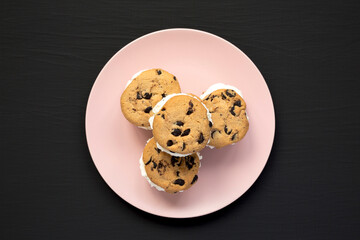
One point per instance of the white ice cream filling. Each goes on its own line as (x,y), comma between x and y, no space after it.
(218,86)
(128,83)
(200,157)
(134,76)
(146,128)
(171,153)
(144,174)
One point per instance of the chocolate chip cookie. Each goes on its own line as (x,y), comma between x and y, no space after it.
(228,112)
(143,92)
(181,124)
(168,173)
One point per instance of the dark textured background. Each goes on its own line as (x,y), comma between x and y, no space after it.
(51,53)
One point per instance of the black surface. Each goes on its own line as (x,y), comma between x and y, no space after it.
(51,53)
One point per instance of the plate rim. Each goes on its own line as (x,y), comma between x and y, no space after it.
(169,30)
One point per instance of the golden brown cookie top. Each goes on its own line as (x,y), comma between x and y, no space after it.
(173,174)
(144,92)
(230,123)
(182,125)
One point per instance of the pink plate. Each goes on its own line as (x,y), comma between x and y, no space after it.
(198,59)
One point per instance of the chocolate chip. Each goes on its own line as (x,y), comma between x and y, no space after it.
(232,111)
(194,179)
(223,96)
(233,137)
(174,160)
(179,181)
(138,95)
(154,164)
(148,161)
(174,78)
(191,104)
(162,168)
(189,161)
(147,95)
(148,109)
(169,143)
(207,97)
(179,123)
(190,158)
(230,93)
(183,147)
(190,111)
(181,160)
(163,95)
(176,132)
(134,109)
(163,109)
(177,173)
(237,103)
(186,132)
(210,124)
(227,131)
(158,150)
(163,116)
(201,138)
(189,166)
(213,132)
(158,72)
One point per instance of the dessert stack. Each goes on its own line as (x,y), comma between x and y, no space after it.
(182,125)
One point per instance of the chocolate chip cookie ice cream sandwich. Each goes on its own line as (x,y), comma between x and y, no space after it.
(228,112)
(168,173)
(145,89)
(181,124)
